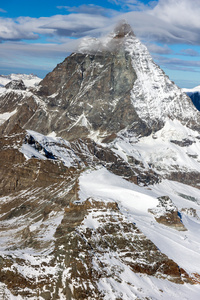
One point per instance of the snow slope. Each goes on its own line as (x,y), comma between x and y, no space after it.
(174,147)
(57,147)
(5,116)
(154,95)
(134,202)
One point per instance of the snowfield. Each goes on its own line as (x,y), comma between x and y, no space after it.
(134,202)
(162,151)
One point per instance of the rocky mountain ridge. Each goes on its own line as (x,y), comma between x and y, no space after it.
(100,180)
(30,80)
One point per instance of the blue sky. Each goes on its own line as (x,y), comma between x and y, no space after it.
(35,35)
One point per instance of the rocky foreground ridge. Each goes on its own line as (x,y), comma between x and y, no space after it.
(100,171)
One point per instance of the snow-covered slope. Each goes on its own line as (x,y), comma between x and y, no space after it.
(134,202)
(154,96)
(173,149)
(45,147)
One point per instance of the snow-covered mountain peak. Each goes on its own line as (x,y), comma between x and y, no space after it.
(30,80)
(115,84)
(121,62)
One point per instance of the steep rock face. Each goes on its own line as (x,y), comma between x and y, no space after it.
(100,97)
(18,173)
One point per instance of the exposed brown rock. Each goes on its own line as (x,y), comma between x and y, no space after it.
(167,214)
(189,178)
(191,212)
(115,236)
(183,143)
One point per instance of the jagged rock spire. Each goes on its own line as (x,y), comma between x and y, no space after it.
(123,29)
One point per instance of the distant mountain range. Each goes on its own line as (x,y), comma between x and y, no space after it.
(29,80)
(194,94)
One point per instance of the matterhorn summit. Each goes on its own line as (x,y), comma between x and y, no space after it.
(100,178)
(108,85)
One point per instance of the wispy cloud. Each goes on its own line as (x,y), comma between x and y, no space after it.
(21,49)
(90,9)
(63,25)
(177,63)
(76,25)
(135,5)
(2,10)
(23,28)
(189,52)
(183,13)
(153,48)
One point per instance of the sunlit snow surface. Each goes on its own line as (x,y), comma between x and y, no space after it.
(161,152)
(58,147)
(5,116)
(134,201)
(193,90)
(154,95)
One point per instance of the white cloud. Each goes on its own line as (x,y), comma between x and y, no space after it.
(63,25)
(22,28)
(170,21)
(21,49)
(183,13)
(75,24)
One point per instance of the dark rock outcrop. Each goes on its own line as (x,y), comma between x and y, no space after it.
(16,85)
